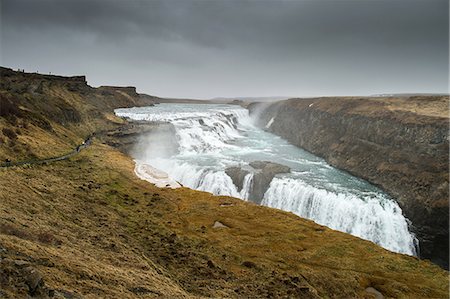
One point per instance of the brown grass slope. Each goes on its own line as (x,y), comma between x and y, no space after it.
(88,227)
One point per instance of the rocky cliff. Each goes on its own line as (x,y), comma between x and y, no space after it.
(399,144)
(59,110)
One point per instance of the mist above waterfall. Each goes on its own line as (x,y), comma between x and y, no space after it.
(161,142)
(205,140)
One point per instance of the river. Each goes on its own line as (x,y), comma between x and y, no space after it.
(212,137)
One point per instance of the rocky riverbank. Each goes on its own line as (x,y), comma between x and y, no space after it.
(399,144)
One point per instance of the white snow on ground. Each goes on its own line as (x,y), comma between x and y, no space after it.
(155,176)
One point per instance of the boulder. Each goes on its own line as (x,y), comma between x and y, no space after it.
(34,281)
(219,224)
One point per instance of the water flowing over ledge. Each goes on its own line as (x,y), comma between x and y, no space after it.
(375,219)
(211,138)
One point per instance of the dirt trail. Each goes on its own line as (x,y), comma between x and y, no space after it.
(86,143)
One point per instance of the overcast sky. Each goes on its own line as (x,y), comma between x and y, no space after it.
(205,49)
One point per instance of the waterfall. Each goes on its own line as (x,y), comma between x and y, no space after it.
(377,219)
(213,137)
(197,132)
(248,181)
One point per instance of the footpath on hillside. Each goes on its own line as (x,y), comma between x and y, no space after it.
(86,143)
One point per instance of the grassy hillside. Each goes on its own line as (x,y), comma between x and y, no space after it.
(88,227)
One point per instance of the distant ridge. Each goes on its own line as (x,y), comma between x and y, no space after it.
(253,99)
(408,94)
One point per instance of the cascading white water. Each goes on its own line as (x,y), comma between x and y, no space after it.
(212,138)
(197,131)
(373,218)
(248,180)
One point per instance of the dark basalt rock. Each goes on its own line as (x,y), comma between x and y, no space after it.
(34,280)
(237,175)
(144,138)
(20,278)
(264,172)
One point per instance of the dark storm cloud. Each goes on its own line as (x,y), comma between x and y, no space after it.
(225,48)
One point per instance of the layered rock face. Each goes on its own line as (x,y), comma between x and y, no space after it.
(134,138)
(399,144)
(51,105)
(73,100)
(263,173)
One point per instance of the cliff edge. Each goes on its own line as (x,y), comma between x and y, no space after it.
(400,144)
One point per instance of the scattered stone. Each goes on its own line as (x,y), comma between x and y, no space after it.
(171,239)
(34,280)
(20,263)
(142,290)
(249,264)
(63,294)
(375,292)
(210,264)
(219,224)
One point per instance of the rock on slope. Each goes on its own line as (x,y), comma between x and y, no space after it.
(399,144)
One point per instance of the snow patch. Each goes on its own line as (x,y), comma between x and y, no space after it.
(155,176)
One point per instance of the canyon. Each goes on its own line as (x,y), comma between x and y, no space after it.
(88,227)
(400,144)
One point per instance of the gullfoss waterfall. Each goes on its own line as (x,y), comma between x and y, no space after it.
(211,138)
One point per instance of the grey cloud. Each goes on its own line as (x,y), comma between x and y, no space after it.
(225,48)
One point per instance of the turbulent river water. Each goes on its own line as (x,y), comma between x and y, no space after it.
(211,138)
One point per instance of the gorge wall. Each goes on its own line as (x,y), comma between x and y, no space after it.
(400,144)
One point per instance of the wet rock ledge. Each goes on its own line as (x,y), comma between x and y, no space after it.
(264,172)
(136,137)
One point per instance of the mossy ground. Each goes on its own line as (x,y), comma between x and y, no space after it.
(92,227)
